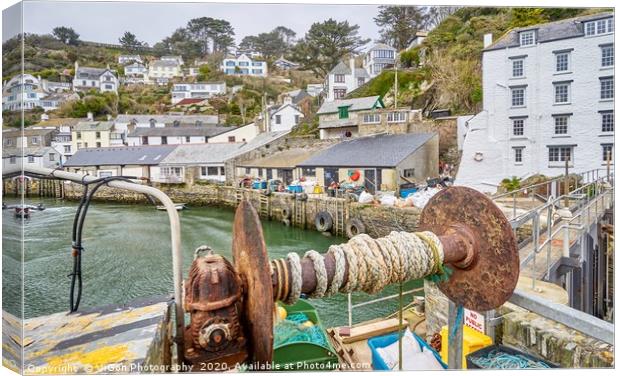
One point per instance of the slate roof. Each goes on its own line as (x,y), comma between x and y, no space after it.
(204,131)
(215,153)
(167,119)
(374,151)
(29,131)
(297,95)
(361,72)
(94,126)
(355,104)
(547,32)
(57,122)
(338,123)
(340,68)
(165,63)
(122,155)
(22,152)
(381,46)
(260,140)
(90,73)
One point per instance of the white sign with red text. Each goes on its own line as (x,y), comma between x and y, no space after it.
(474,320)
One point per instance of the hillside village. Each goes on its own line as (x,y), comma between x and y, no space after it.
(374,119)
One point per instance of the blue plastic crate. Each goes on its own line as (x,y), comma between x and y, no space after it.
(296,188)
(388,339)
(407,191)
(259,185)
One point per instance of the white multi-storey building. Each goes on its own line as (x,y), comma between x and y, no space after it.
(244,65)
(23,91)
(136,73)
(201,90)
(379,57)
(548,98)
(164,70)
(343,79)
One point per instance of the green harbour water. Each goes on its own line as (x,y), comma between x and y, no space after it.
(127,256)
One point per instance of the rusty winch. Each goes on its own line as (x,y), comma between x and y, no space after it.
(232,305)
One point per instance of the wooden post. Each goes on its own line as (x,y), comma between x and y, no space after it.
(566,188)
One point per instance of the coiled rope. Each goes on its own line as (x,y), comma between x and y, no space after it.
(373,264)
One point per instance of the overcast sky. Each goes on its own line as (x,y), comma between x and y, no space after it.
(151,22)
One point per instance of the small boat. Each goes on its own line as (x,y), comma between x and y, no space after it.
(177,206)
(23,211)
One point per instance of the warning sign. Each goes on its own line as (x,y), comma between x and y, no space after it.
(474,320)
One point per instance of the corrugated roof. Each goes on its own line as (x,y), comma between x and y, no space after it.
(204,131)
(94,126)
(122,155)
(284,159)
(374,151)
(355,104)
(215,153)
(562,29)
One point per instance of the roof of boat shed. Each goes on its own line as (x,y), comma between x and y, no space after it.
(122,155)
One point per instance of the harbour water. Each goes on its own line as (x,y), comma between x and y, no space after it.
(127,256)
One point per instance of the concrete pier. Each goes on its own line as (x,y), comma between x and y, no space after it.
(116,339)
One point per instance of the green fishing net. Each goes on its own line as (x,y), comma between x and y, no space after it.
(291,330)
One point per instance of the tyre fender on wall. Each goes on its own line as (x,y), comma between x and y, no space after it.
(353,227)
(323,221)
(286,212)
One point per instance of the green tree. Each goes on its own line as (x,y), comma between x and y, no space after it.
(179,43)
(213,34)
(203,72)
(326,43)
(286,34)
(399,24)
(66,35)
(130,42)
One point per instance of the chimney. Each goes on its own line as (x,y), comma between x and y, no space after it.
(287,99)
(488,40)
(89,116)
(76,66)
(352,65)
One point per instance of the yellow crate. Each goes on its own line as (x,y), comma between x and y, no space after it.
(473,340)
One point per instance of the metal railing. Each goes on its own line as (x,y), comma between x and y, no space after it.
(173,217)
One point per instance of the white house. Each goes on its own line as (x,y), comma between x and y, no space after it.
(127,59)
(343,79)
(100,79)
(379,57)
(244,65)
(200,90)
(548,98)
(45,156)
(177,58)
(23,91)
(314,89)
(54,100)
(174,135)
(284,117)
(128,122)
(136,73)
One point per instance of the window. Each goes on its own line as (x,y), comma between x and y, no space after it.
(78,135)
(372,118)
(79,145)
(296,119)
(518,97)
(248,171)
(164,140)
(339,78)
(109,87)
(12,159)
(561,124)
(409,172)
(31,159)
(590,28)
(343,112)
(527,38)
(607,87)
(34,140)
(171,171)
(98,135)
(231,138)
(360,81)
(67,149)
(340,93)
(145,140)
(278,119)
(518,151)
(269,173)
(98,144)
(396,117)
(9,142)
(308,171)
(607,121)
(599,27)
(517,68)
(561,62)
(86,144)
(152,123)
(608,152)
(560,153)
(607,55)
(212,171)
(176,123)
(188,139)
(518,127)
(105,174)
(561,93)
